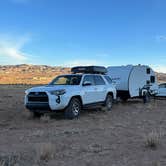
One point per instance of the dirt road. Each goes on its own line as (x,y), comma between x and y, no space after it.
(96,138)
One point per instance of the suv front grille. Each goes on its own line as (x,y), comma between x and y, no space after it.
(37,97)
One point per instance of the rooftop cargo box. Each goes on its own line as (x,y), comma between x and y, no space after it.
(89,69)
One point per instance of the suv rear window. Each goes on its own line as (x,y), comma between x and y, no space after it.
(109,80)
(89,78)
(99,80)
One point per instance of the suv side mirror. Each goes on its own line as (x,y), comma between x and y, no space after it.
(87,83)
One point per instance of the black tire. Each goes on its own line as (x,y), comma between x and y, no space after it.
(146,97)
(74,108)
(108,103)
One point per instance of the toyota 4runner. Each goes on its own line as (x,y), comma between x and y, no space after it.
(87,86)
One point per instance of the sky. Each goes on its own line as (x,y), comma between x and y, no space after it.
(83,32)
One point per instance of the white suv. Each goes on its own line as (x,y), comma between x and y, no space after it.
(72,92)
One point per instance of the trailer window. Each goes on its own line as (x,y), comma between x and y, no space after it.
(152,79)
(148,70)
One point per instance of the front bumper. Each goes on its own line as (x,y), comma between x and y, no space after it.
(38,106)
(54,103)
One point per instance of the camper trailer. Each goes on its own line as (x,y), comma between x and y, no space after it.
(133,81)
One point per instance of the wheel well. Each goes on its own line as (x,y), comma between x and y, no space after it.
(110,93)
(79,98)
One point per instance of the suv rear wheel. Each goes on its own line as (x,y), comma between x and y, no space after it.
(74,108)
(108,103)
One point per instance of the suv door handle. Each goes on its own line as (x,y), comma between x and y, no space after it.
(95,88)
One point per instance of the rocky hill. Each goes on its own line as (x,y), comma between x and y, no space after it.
(161,77)
(38,74)
(29,74)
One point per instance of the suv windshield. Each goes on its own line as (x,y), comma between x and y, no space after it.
(67,80)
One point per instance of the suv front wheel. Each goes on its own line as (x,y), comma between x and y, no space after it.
(74,108)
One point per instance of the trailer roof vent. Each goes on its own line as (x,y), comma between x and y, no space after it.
(89,69)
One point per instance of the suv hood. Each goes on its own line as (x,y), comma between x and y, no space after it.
(48,88)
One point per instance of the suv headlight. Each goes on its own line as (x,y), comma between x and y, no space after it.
(58,92)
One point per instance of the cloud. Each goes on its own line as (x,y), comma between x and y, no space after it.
(11,49)
(161,38)
(159,68)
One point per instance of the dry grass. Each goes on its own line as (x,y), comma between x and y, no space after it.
(2,163)
(151,106)
(45,151)
(45,118)
(152,139)
(27,114)
(156,163)
(9,160)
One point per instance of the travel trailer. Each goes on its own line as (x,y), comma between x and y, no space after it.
(133,81)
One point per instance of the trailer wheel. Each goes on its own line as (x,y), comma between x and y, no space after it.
(146,97)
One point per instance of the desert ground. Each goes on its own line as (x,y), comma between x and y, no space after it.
(132,134)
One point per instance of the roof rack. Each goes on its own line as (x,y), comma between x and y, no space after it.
(89,69)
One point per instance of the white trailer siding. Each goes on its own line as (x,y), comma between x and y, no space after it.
(132,79)
(120,75)
(138,79)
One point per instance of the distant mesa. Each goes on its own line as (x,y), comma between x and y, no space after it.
(29,74)
(38,74)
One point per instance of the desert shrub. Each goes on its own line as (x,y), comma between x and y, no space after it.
(152,139)
(45,118)
(156,163)
(45,151)
(2,163)
(9,160)
(27,114)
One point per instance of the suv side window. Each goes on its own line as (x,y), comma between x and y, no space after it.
(109,80)
(89,78)
(99,80)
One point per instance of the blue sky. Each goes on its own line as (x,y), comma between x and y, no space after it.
(83,32)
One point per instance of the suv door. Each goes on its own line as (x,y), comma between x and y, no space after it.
(101,88)
(89,95)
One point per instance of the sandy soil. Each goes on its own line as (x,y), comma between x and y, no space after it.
(96,138)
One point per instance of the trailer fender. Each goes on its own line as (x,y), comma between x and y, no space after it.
(144,92)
